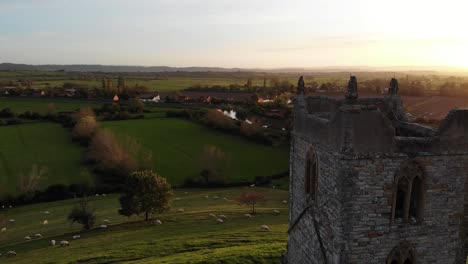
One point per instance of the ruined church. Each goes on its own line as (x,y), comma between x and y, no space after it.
(369,186)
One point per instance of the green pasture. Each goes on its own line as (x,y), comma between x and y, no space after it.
(41,105)
(177,144)
(44,145)
(191,236)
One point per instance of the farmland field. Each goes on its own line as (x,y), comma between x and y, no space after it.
(188,237)
(20,105)
(44,145)
(177,145)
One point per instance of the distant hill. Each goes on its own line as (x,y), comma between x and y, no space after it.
(123,68)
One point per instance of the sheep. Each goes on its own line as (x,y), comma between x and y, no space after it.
(181,210)
(103,226)
(10,206)
(285,202)
(107,221)
(76,237)
(64,243)
(185,193)
(0,255)
(206,196)
(52,242)
(46,212)
(219,221)
(224,198)
(11,254)
(97,194)
(45,222)
(252,185)
(158,222)
(276,212)
(264,228)
(103,194)
(3,229)
(222,217)
(38,236)
(12,220)
(215,197)
(248,215)
(27,238)
(212,215)
(177,199)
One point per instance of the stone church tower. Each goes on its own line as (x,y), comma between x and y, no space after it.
(369,186)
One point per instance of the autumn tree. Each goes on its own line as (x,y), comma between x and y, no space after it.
(85,128)
(30,181)
(250,199)
(217,119)
(145,193)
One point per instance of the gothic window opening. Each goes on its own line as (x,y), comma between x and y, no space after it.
(409,193)
(404,253)
(311,174)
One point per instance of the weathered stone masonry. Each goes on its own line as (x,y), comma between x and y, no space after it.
(387,190)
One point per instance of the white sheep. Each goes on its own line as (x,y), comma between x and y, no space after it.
(76,237)
(103,194)
(46,212)
(38,236)
(103,226)
(97,194)
(107,221)
(158,222)
(285,202)
(27,238)
(222,217)
(252,185)
(181,210)
(64,243)
(264,228)
(11,254)
(177,199)
(10,206)
(219,221)
(52,242)
(12,220)
(45,222)
(276,212)
(3,229)
(212,215)
(215,197)
(224,198)
(248,215)
(185,193)
(206,196)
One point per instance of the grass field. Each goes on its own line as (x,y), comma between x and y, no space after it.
(177,144)
(20,105)
(188,237)
(41,144)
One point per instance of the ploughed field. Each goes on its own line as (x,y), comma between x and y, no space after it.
(177,145)
(191,236)
(432,107)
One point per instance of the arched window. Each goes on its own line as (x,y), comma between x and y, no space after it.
(408,197)
(311,173)
(404,253)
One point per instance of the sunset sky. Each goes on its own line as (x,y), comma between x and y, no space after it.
(235,33)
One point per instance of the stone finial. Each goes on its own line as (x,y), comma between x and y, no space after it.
(393,89)
(300,86)
(352,92)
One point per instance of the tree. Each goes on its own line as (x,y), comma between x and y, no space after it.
(145,193)
(213,164)
(136,105)
(83,214)
(250,199)
(85,128)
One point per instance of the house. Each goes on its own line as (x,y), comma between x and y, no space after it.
(150,97)
(70,92)
(115,99)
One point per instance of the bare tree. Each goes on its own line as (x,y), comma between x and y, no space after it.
(250,199)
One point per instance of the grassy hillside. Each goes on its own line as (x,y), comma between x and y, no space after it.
(177,145)
(21,105)
(188,237)
(41,144)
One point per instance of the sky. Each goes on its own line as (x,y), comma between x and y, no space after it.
(235,33)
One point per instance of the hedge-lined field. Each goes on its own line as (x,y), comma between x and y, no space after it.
(184,237)
(41,144)
(41,105)
(177,144)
